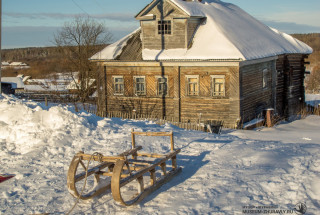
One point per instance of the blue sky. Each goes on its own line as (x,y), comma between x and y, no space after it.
(30,23)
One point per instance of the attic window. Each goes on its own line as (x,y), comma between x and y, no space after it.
(164,27)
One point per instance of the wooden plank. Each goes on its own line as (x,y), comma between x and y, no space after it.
(147,169)
(153,133)
(91,171)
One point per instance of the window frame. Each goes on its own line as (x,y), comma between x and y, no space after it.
(213,85)
(144,92)
(265,83)
(114,85)
(158,85)
(164,27)
(197,88)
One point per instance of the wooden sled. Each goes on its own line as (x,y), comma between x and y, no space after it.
(131,175)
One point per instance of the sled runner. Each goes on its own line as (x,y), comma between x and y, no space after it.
(130,176)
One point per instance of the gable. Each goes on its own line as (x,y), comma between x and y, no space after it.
(161,9)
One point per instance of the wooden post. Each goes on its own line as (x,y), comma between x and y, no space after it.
(269,116)
(174,162)
(133,139)
(172,141)
(141,184)
(164,168)
(152,177)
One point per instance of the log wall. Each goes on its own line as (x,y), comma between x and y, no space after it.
(182,28)
(176,104)
(290,82)
(254,97)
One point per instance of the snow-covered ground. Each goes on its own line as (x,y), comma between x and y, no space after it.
(274,167)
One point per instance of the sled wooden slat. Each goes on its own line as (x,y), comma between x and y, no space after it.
(124,171)
(91,171)
(151,155)
(141,172)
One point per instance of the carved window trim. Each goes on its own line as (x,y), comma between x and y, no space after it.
(118,85)
(162,85)
(218,85)
(192,85)
(139,85)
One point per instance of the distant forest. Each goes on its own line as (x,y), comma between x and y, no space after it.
(47,60)
(43,61)
(313,40)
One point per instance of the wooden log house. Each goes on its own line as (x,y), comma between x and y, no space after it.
(202,60)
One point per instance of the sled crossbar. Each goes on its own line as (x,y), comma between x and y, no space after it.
(124,171)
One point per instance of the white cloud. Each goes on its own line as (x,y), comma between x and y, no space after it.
(124,17)
(299,17)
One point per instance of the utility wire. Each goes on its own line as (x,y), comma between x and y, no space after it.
(81,8)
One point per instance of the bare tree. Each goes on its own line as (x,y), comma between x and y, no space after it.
(79,40)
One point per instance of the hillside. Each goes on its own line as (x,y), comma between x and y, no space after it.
(312,40)
(42,60)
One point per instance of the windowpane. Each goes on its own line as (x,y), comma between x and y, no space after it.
(218,85)
(193,88)
(118,85)
(162,86)
(264,78)
(164,27)
(140,85)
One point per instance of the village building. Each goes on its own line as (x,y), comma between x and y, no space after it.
(10,85)
(202,60)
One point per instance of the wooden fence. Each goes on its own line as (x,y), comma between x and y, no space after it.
(312,109)
(213,126)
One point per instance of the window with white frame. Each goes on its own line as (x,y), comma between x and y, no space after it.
(264,78)
(140,85)
(162,85)
(192,85)
(218,85)
(118,85)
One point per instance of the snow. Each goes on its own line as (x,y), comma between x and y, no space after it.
(15,82)
(227,33)
(313,99)
(113,50)
(57,82)
(277,166)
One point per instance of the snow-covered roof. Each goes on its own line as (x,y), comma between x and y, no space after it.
(113,50)
(18,64)
(74,85)
(4,63)
(227,33)
(16,82)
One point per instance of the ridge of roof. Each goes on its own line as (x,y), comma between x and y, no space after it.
(228,33)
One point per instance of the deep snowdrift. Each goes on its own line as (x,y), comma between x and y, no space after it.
(221,174)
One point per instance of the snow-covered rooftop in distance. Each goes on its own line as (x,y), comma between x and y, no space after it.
(16,82)
(227,33)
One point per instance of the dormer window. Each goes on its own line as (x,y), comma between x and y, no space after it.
(164,27)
